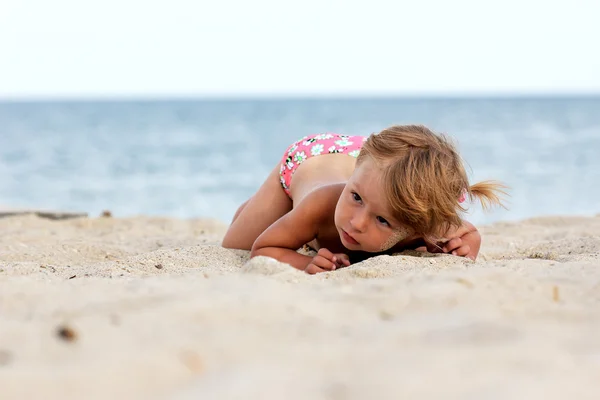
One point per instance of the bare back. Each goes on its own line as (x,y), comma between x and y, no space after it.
(320,171)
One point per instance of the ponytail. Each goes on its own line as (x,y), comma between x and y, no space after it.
(489,193)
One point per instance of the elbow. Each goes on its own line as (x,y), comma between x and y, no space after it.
(256,251)
(266,251)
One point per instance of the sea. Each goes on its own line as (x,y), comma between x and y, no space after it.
(201,158)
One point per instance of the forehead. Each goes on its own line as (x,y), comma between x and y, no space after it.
(367,179)
(367,172)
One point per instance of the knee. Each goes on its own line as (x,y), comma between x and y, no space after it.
(230,242)
(239,210)
(233,240)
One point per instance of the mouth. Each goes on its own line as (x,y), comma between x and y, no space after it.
(348,238)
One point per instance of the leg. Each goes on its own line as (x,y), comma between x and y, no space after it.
(266,206)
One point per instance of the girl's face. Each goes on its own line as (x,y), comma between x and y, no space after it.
(362,216)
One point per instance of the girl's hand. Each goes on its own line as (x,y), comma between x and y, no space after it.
(463,242)
(467,245)
(326,261)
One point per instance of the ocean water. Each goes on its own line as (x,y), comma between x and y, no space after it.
(202,158)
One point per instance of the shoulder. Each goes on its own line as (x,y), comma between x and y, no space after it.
(321,202)
(325,195)
(327,192)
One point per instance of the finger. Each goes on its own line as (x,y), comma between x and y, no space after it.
(463,230)
(313,269)
(452,245)
(323,263)
(323,252)
(342,259)
(462,251)
(340,263)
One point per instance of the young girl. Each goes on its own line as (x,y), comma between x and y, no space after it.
(351,197)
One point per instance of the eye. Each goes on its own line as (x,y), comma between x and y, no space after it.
(356,197)
(382,220)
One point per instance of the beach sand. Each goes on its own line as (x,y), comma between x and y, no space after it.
(141,308)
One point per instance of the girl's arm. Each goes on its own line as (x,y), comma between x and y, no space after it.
(290,232)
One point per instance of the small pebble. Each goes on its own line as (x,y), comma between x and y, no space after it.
(192,361)
(5,357)
(385,315)
(555,294)
(115,320)
(66,333)
(465,282)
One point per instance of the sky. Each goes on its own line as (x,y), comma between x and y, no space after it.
(146,48)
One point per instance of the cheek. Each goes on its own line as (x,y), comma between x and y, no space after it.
(402,233)
(389,243)
(339,212)
(395,237)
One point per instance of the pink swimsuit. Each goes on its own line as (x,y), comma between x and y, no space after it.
(314,145)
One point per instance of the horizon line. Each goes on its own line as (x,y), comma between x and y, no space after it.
(296,96)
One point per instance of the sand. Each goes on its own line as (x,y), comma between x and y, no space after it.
(128,308)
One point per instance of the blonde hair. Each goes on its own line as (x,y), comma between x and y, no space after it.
(424,177)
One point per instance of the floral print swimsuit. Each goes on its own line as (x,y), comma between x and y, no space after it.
(314,145)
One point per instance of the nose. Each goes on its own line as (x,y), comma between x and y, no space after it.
(358,222)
